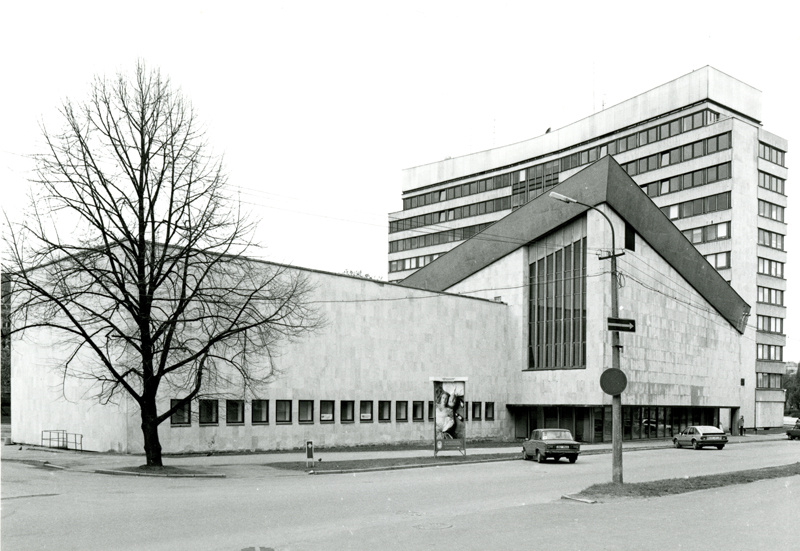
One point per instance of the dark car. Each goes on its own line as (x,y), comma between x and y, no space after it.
(555,443)
(701,436)
(794,432)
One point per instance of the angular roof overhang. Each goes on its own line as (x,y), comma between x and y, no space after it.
(601,182)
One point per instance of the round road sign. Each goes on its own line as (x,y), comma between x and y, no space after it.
(613,381)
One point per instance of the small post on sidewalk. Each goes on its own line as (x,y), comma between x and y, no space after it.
(309,453)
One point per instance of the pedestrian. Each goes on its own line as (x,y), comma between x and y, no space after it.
(741,425)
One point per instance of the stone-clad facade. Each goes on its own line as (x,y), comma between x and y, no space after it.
(365,376)
(695,145)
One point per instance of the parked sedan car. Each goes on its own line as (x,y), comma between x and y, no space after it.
(555,443)
(700,436)
(794,432)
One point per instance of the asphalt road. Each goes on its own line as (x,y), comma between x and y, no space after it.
(505,505)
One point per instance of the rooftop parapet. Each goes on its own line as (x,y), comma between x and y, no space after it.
(705,84)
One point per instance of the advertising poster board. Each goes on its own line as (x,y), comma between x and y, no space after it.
(450,428)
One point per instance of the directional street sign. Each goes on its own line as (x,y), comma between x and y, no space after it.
(621,324)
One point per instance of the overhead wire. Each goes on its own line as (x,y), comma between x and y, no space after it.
(491,237)
(438,227)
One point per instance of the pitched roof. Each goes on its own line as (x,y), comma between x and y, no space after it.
(601,182)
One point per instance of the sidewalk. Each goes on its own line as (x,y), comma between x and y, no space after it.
(110,463)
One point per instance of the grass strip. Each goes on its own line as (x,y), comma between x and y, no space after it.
(674,486)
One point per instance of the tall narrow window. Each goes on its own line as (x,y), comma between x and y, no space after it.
(630,237)
(347,411)
(234,412)
(476,411)
(209,412)
(557,309)
(326,411)
(401,411)
(305,411)
(260,412)
(283,411)
(418,411)
(384,410)
(489,411)
(366,411)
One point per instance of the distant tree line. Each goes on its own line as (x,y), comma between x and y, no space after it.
(792,385)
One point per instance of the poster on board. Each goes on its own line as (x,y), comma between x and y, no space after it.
(449,402)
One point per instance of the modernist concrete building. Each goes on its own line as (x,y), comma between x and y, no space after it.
(520,310)
(695,146)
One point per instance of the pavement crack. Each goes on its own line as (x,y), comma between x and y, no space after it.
(31,495)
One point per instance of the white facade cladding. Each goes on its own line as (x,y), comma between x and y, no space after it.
(380,343)
(364,378)
(695,146)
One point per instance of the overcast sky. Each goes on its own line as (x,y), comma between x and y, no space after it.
(318,106)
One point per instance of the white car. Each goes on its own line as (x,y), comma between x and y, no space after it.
(700,436)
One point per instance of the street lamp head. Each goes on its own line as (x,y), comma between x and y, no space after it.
(562,198)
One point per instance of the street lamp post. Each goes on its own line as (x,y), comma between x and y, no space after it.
(616,399)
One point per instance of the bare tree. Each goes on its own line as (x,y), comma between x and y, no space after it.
(134,254)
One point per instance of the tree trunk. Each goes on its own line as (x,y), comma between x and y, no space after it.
(152,445)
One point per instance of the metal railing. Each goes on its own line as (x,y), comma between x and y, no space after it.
(59,438)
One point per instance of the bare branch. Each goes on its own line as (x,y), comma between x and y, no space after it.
(135,255)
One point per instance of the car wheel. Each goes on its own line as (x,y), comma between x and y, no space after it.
(676,443)
(695,445)
(573,458)
(539,457)
(720,447)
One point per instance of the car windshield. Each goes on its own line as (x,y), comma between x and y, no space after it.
(556,435)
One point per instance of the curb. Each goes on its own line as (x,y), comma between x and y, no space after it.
(46,464)
(38,463)
(155,475)
(579,499)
